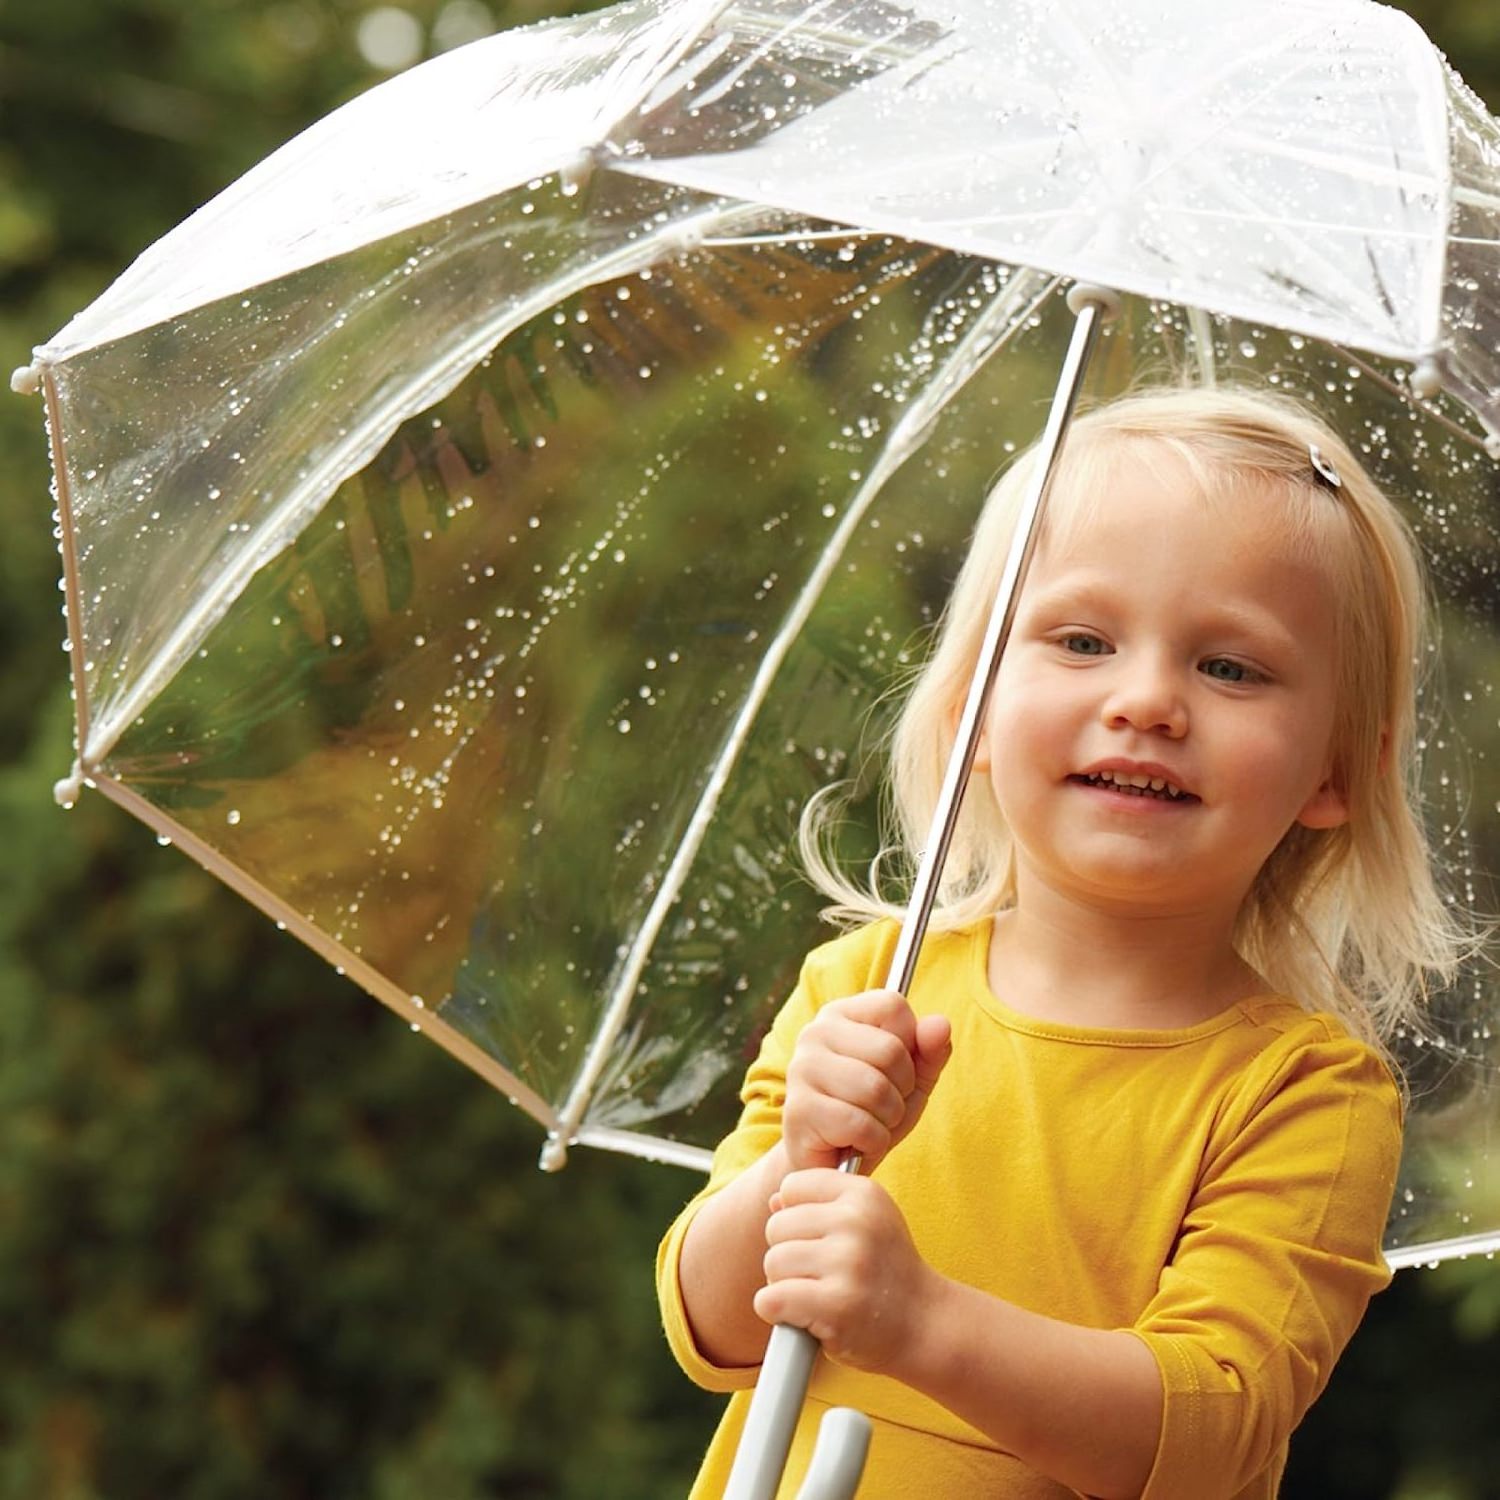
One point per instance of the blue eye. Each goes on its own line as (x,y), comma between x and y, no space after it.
(1084,645)
(1222,669)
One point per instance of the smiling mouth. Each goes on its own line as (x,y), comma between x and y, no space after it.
(1157,788)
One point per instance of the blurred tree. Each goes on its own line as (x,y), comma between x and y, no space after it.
(255,1239)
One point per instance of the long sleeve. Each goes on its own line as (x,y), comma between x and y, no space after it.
(1276,1259)
(831,971)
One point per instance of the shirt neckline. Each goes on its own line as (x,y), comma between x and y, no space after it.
(1113,1036)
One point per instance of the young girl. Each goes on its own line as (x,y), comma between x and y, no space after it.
(1130,1145)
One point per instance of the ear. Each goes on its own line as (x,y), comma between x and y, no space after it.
(1328,807)
(981,766)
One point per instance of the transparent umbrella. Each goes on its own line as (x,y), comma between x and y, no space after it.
(488,521)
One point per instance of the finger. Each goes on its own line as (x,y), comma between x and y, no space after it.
(845,1129)
(834,1126)
(804,1222)
(795,1259)
(836,1033)
(934,1048)
(887,1009)
(793,1302)
(818,1185)
(805,1302)
(854,1081)
(878,1048)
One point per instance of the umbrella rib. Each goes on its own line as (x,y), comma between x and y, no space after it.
(1228,126)
(713,95)
(1406,394)
(1378,173)
(1187,159)
(853,47)
(1435,1251)
(1300,247)
(1472,197)
(359,446)
(1185,211)
(691,31)
(650,1147)
(1083,46)
(68,543)
(364,974)
(972,352)
(790,237)
(1434,80)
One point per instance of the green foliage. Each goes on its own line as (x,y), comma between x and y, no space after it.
(261,1240)
(255,1238)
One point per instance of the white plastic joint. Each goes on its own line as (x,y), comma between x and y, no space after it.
(1084,294)
(680,238)
(1427,379)
(575,176)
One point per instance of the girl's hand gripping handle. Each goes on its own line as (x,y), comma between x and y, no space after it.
(857,1084)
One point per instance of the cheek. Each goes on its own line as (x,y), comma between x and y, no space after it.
(1285,760)
(1025,740)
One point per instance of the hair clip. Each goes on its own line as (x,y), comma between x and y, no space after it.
(1323,471)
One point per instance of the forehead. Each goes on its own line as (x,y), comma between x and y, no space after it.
(1144,526)
(1106,482)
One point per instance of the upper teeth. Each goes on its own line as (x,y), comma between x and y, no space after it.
(1135,779)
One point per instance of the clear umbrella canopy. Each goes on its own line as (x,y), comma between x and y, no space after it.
(489,520)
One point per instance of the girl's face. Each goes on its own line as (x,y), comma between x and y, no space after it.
(1164,708)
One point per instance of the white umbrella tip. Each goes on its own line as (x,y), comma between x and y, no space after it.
(554,1155)
(66,792)
(26,380)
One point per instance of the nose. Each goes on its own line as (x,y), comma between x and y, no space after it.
(1145,694)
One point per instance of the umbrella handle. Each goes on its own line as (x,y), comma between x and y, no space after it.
(843,1436)
(838,1459)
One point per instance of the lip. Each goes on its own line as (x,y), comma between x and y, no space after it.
(1148,768)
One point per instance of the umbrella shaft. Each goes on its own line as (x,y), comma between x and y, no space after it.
(1091,307)
(787,1370)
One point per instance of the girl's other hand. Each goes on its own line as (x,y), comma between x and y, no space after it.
(841,1264)
(859,1079)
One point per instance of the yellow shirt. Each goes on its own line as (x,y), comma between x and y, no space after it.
(1219,1190)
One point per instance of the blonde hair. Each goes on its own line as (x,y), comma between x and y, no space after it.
(1347,919)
